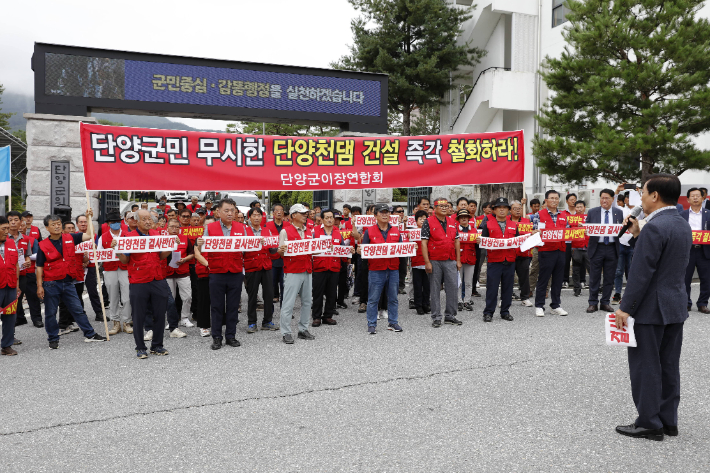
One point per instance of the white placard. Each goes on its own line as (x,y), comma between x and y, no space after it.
(230,244)
(308,246)
(370,220)
(146,244)
(388,250)
(619,338)
(502,243)
(602,229)
(338,251)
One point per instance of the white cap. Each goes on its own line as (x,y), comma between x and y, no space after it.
(298,209)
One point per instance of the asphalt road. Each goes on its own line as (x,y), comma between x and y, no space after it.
(535,394)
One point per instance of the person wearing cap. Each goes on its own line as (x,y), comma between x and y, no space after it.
(257,266)
(116,279)
(9,280)
(442,260)
(399,210)
(383,274)
(180,206)
(522,258)
(162,205)
(202,214)
(130,223)
(193,205)
(343,289)
(298,279)
(326,272)
(208,208)
(501,263)
(277,263)
(178,276)
(468,258)
(226,276)
(31,231)
(420,279)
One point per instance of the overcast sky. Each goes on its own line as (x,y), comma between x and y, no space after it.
(299,33)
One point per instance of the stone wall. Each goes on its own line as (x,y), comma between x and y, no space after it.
(55,138)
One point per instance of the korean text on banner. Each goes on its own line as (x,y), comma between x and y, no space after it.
(146,244)
(389,250)
(602,229)
(113,155)
(308,247)
(619,338)
(501,243)
(338,251)
(370,220)
(701,237)
(563,234)
(10,309)
(230,244)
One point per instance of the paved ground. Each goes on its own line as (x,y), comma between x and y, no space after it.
(536,394)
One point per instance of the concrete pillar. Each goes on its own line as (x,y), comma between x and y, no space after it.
(55,138)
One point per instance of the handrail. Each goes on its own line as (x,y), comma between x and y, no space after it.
(451,127)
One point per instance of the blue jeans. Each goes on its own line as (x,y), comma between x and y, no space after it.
(64,290)
(622,266)
(386,279)
(7,295)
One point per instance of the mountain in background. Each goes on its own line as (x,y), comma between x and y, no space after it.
(20,104)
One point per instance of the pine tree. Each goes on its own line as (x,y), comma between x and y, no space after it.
(4,117)
(629,93)
(414,41)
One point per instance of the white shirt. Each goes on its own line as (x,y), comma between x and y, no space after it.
(695,219)
(604,222)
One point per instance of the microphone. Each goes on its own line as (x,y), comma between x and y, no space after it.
(635,212)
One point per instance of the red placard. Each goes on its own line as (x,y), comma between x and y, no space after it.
(114,156)
(10,309)
(701,237)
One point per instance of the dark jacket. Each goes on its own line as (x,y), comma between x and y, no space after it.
(655,292)
(705,226)
(595,216)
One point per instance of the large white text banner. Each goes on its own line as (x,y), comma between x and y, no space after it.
(308,247)
(501,243)
(146,244)
(338,251)
(230,244)
(389,250)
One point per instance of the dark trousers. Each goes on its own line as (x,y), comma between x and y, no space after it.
(30,290)
(699,261)
(420,288)
(580,266)
(253,279)
(551,265)
(477,271)
(7,295)
(402,272)
(66,292)
(568,260)
(356,271)
(93,289)
(225,291)
(277,277)
(605,259)
(522,269)
(202,312)
(499,274)
(65,317)
(193,288)
(172,314)
(343,289)
(361,282)
(654,366)
(155,295)
(325,285)
(20,320)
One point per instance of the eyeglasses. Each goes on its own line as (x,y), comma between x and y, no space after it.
(399,211)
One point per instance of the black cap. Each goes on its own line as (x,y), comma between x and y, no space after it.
(201,210)
(500,202)
(381,207)
(337,214)
(27,213)
(113,216)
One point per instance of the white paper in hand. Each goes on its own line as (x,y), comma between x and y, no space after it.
(531,242)
(619,338)
(175,258)
(459,284)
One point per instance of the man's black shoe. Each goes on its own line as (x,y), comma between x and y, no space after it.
(606,308)
(670,430)
(475,293)
(98,318)
(288,339)
(427,309)
(411,304)
(53,345)
(216,343)
(460,308)
(233,342)
(639,432)
(487,318)
(616,299)
(452,321)
(507,317)
(20,321)
(335,312)
(591,309)
(38,323)
(577,293)
(306,335)
(436,324)
(342,305)
(690,307)
(402,290)
(420,311)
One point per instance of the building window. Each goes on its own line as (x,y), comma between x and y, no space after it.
(559,13)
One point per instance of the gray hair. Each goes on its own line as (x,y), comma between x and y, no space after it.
(516,202)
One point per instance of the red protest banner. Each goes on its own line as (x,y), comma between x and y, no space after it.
(115,155)
(10,309)
(192,232)
(701,237)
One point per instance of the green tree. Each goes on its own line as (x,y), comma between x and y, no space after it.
(629,93)
(414,41)
(4,117)
(103,121)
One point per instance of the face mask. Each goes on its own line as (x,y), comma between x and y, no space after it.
(115,225)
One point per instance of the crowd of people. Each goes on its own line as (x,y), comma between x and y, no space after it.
(145,292)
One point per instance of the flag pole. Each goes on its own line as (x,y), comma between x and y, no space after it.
(96,265)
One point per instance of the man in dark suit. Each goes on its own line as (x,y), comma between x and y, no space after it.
(697,217)
(603,252)
(706,201)
(655,296)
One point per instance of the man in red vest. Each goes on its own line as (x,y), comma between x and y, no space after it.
(193,205)
(551,256)
(82,225)
(277,263)
(257,265)
(522,259)
(580,257)
(148,288)
(501,263)
(31,231)
(29,246)
(442,259)
(9,286)
(468,257)
(297,276)
(55,267)
(383,272)
(179,275)
(116,279)
(326,273)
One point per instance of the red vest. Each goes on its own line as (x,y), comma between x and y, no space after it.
(468,249)
(301,263)
(201,271)
(323,263)
(225,262)
(106,239)
(419,259)
(23,249)
(560,223)
(525,221)
(441,241)
(193,208)
(8,265)
(257,260)
(271,226)
(185,267)
(145,267)
(58,266)
(375,234)
(498,256)
(34,232)
(580,243)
